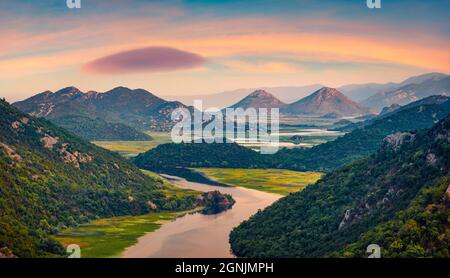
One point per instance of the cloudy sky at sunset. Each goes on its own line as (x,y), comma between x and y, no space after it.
(205,47)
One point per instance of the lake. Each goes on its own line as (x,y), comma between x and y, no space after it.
(199,235)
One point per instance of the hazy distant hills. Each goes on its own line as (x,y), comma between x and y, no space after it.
(359,92)
(411,90)
(355,92)
(228,98)
(137,108)
(324,101)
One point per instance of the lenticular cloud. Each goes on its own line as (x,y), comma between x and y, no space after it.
(149,59)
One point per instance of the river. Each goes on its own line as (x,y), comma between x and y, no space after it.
(198,235)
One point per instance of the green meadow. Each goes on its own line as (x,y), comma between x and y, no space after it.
(170,190)
(269,180)
(133,148)
(109,237)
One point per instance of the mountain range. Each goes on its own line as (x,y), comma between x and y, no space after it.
(141,110)
(228,98)
(411,90)
(324,101)
(137,108)
(355,92)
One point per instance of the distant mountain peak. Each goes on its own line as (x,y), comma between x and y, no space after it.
(325,101)
(260,93)
(68,91)
(328,92)
(259,99)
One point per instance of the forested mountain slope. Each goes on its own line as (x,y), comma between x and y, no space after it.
(99,129)
(397,198)
(50,179)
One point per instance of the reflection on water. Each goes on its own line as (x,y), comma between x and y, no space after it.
(198,235)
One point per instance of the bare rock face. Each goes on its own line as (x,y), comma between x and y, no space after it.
(15,124)
(10,152)
(74,158)
(5,253)
(152,205)
(49,141)
(346,219)
(431,159)
(396,140)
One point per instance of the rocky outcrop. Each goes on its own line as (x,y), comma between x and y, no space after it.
(215,202)
(389,109)
(346,219)
(49,141)
(10,152)
(5,253)
(396,140)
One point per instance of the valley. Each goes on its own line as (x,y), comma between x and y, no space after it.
(245,135)
(154,198)
(171,233)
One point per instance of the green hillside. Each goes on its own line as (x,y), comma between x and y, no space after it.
(397,198)
(99,130)
(229,155)
(50,179)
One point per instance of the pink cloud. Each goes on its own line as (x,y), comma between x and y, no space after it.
(149,59)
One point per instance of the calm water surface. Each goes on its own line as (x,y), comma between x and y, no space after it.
(198,235)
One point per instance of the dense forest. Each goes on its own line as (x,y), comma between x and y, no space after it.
(397,198)
(98,129)
(354,145)
(50,179)
(172,155)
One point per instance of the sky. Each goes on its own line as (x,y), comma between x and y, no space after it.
(204,47)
